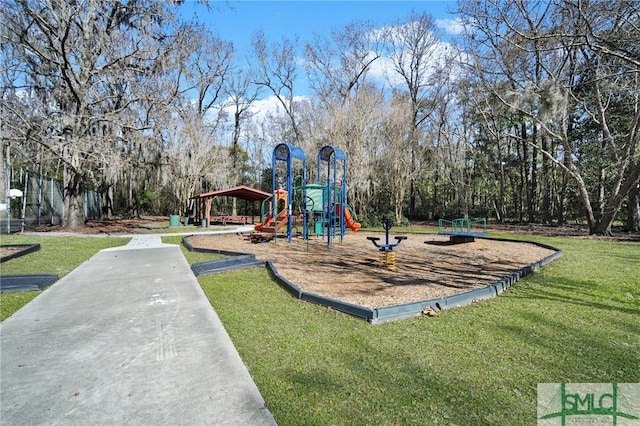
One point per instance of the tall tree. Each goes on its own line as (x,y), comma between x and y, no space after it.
(337,67)
(242,95)
(80,63)
(276,70)
(203,67)
(588,58)
(397,163)
(417,57)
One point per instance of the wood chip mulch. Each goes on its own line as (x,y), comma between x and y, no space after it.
(427,265)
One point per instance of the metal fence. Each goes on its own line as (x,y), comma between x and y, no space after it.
(42,203)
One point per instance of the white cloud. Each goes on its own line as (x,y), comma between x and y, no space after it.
(451,26)
(260,111)
(382,71)
(262,108)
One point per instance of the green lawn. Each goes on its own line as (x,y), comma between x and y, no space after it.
(57,255)
(576,320)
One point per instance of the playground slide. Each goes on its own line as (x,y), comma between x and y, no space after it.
(348,219)
(268,222)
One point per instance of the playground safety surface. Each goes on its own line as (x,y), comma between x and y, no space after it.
(428,267)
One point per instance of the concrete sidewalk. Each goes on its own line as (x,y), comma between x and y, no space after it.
(126,338)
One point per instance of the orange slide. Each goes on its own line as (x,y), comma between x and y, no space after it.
(348,219)
(267,225)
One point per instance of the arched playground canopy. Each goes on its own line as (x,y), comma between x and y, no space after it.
(287,153)
(202,203)
(335,193)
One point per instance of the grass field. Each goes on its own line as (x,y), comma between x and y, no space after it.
(576,320)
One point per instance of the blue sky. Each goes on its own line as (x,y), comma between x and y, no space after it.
(236,21)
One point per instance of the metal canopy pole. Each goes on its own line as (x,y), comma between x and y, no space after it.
(331,156)
(287,153)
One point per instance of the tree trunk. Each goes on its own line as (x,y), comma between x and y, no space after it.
(519,191)
(500,204)
(533,181)
(525,190)
(601,194)
(412,188)
(561,213)
(633,213)
(73,201)
(107,202)
(73,192)
(435,213)
(546,185)
(603,225)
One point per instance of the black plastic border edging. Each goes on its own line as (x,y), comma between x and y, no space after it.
(23,282)
(35,282)
(388,313)
(28,248)
(236,261)
(391,313)
(338,305)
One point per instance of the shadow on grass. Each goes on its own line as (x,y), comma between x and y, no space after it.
(576,292)
(476,365)
(380,385)
(585,350)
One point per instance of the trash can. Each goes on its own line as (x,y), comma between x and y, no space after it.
(174,220)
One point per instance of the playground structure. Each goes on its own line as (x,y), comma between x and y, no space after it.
(324,204)
(335,214)
(387,255)
(272,223)
(462,230)
(280,205)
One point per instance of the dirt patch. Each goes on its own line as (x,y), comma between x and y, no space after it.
(427,266)
(150,224)
(9,250)
(141,225)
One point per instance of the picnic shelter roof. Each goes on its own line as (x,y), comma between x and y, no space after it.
(242,192)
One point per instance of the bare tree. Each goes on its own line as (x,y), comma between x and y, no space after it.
(417,57)
(242,95)
(276,66)
(633,210)
(397,161)
(587,60)
(200,78)
(357,132)
(337,66)
(79,64)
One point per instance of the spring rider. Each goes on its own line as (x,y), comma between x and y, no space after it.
(387,255)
